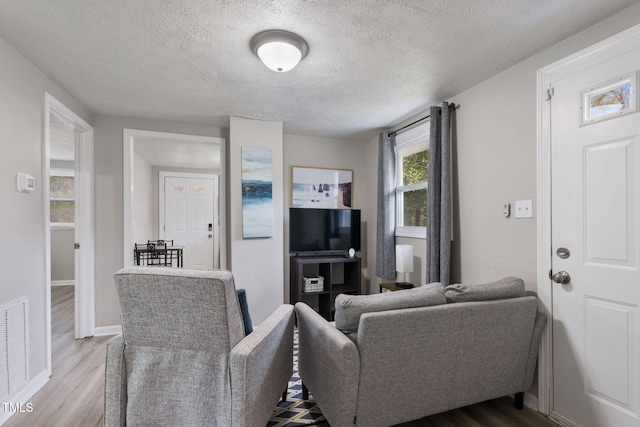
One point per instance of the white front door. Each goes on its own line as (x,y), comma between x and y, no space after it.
(189,219)
(595,176)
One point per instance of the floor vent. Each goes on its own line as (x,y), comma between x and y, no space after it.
(14,348)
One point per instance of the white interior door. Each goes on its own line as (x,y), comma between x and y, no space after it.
(189,219)
(595,238)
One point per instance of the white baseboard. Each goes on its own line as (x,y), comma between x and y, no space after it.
(22,398)
(560,420)
(63,283)
(100,331)
(531,401)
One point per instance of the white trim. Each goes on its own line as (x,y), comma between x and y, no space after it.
(612,47)
(23,396)
(128,138)
(63,283)
(103,331)
(84,229)
(60,226)
(560,420)
(62,172)
(543,189)
(530,401)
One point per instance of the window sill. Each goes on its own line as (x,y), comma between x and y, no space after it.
(413,232)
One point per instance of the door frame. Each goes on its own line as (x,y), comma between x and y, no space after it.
(128,142)
(600,52)
(216,207)
(84,229)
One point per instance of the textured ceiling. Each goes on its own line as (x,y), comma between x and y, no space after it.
(371,63)
(175,153)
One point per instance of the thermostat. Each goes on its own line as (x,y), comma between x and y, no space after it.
(26,183)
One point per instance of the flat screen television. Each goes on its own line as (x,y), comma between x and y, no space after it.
(323,231)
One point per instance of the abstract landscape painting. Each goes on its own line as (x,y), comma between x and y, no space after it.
(321,188)
(257,203)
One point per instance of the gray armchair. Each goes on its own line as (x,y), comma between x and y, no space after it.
(183,358)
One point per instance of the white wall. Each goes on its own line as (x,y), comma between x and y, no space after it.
(142,204)
(109,198)
(22,88)
(257,264)
(331,153)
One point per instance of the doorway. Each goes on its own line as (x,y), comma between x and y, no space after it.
(589,258)
(72,156)
(149,156)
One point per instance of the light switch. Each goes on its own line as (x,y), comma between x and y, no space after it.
(524,209)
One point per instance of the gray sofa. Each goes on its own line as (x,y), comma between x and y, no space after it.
(183,358)
(417,352)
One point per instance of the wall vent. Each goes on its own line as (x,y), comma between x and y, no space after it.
(14,348)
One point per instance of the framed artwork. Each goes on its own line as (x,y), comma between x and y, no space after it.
(321,188)
(257,202)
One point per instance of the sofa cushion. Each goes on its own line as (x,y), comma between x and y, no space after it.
(508,287)
(350,307)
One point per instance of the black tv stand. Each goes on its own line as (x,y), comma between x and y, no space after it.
(320,255)
(340,275)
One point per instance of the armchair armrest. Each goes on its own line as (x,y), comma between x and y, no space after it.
(261,365)
(115,384)
(329,365)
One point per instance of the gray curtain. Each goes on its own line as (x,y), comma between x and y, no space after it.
(386,225)
(439,197)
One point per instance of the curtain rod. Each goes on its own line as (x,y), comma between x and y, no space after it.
(452,105)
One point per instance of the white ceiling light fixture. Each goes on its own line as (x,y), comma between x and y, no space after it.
(279,50)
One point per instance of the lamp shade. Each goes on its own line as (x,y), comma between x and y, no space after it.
(279,50)
(279,56)
(404,258)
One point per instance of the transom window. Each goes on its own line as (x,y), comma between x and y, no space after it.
(412,171)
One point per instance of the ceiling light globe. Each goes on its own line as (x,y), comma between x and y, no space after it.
(279,56)
(279,50)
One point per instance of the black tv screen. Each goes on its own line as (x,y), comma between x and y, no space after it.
(316,231)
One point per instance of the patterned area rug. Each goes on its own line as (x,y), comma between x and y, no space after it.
(296,411)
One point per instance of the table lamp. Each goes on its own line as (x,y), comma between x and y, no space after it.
(404,264)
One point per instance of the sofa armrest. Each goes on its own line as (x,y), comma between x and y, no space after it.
(532,358)
(261,365)
(409,354)
(115,384)
(329,365)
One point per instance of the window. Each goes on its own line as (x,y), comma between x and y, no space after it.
(412,170)
(610,99)
(62,198)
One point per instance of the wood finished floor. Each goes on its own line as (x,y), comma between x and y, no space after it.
(74,395)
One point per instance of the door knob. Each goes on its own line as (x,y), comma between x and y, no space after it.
(210,236)
(561,277)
